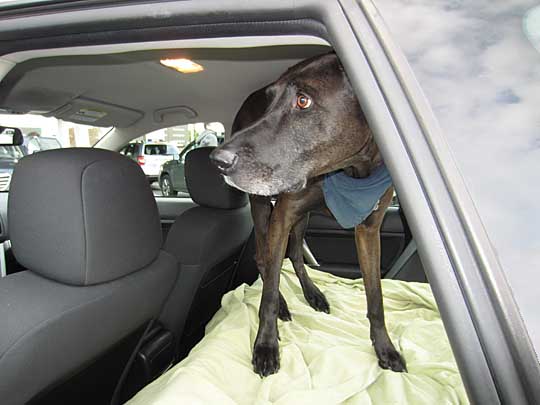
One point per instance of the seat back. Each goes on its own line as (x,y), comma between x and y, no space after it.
(206,241)
(84,224)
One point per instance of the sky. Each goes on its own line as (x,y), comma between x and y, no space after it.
(477,63)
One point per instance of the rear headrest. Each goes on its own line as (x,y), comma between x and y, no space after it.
(206,185)
(82,216)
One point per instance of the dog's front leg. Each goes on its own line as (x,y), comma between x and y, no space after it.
(288,210)
(261,210)
(368,246)
(266,348)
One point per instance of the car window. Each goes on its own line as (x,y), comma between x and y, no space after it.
(42,133)
(478,62)
(11,152)
(165,151)
(172,150)
(48,143)
(131,150)
(155,150)
(32,146)
(188,148)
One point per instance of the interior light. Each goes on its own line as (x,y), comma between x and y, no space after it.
(182,65)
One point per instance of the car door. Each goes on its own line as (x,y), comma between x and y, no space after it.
(334,249)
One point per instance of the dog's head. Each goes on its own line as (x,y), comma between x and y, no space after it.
(306,123)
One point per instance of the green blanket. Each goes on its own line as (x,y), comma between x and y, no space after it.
(325,359)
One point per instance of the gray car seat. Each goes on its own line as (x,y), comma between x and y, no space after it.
(207,241)
(85,224)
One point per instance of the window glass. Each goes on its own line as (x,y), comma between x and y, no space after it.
(160,149)
(161,154)
(130,150)
(48,143)
(155,150)
(42,133)
(32,146)
(478,63)
(11,152)
(172,150)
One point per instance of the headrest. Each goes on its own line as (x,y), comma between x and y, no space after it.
(206,185)
(82,216)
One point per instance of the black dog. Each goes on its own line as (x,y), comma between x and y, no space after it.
(286,137)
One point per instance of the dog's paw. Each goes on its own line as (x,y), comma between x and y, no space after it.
(283,313)
(390,359)
(317,300)
(265,359)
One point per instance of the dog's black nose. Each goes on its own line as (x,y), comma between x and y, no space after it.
(224,159)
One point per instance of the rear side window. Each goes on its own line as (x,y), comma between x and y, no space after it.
(131,150)
(155,150)
(49,143)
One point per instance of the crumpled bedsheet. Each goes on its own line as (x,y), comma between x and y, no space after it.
(325,358)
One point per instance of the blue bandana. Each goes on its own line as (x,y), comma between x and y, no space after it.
(351,200)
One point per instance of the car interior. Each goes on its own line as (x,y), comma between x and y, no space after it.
(90,250)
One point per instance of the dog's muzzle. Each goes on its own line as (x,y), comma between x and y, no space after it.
(224,160)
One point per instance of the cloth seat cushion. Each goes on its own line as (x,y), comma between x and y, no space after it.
(325,358)
(49,329)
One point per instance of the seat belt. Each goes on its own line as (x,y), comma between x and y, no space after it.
(402,259)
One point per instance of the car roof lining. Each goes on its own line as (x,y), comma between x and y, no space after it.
(127,84)
(217,42)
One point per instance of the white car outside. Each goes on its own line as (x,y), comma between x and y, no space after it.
(150,156)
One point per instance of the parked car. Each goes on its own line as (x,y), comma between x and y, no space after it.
(36,143)
(9,157)
(150,156)
(171,175)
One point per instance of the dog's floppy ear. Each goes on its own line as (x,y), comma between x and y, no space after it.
(333,54)
(251,110)
(339,65)
(341,69)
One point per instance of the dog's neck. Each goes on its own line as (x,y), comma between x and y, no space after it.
(362,164)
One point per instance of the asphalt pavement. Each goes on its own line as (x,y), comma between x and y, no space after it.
(157,191)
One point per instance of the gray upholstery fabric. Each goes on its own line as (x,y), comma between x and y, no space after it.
(79,218)
(49,329)
(204,236)
(82,216)
(201,238)
(206,186)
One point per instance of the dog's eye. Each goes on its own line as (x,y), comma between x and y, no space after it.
(303,101)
